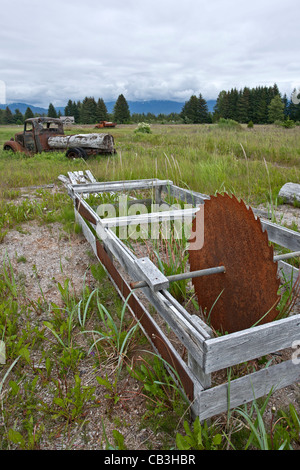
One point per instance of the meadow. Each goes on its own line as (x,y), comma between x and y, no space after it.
(251,163)
(78,372)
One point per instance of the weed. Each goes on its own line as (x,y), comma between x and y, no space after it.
(116,335)
(69,401)
(118,440)
(200,437)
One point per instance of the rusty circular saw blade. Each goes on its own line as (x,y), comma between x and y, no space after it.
(247,293)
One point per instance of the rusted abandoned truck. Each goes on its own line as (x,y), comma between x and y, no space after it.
(105,124)
(44,134)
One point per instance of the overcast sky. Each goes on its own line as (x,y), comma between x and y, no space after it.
(57,50)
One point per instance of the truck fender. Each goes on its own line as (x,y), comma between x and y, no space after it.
(14,146)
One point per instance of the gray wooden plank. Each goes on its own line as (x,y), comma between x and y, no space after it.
(125,185)
(241,346)
(245,389)
(281,235)
(88,234)
(155,279)
(185,195)
(287,272)
(90,176)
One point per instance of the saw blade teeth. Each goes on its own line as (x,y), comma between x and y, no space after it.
(234,238)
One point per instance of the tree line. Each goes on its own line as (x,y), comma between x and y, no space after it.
(260,105)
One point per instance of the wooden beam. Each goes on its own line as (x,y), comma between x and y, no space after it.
(251,343)
(126,185)
(236,392)
(186,195)
(154,278)
(281,235)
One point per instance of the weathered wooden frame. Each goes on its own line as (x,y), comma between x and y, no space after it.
(206,354)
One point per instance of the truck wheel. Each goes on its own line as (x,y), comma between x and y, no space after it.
(75,153)
(83,153)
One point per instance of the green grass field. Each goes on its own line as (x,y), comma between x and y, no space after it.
(251,163)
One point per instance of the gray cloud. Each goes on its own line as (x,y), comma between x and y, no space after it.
(147,49)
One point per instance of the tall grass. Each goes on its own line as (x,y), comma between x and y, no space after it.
(205,157)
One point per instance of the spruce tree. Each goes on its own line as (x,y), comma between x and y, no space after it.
(101,111)
(285,106)
(75,110)
(88,111)
(28,114)
(52,111)
(195,110)
(242,107)
(18,117)
(121,113)
(203,114)
(190,110)
(8,116)
(222,105)
(276,109)
(68,109)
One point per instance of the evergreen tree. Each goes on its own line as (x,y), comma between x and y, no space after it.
(88,111)
(28,114)
(8,116)
(203,114)
(232,104)
(246,105)
(18,117)
(76,110)
(101,111)
(68,108)
(190,110)
(222,105)
(285,106)
(242,107)
(195,110)
(52,111)
(121,113)
(276,109)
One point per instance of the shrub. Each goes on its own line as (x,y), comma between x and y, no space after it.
(228,124)
(288,124)
(143,127)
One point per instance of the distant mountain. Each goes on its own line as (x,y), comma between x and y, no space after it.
(156,106)
(151,106)
(23,106)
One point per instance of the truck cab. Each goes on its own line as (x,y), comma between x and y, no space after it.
(34,138)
